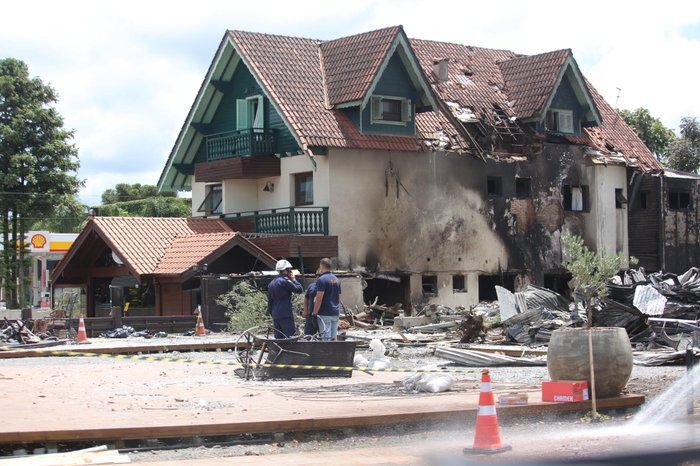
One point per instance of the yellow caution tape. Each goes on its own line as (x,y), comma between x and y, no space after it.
(238,364)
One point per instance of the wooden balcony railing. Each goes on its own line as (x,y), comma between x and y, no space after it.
(242,142)
(289,220)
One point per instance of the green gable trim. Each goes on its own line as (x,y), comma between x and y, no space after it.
(424,93)
(579,88)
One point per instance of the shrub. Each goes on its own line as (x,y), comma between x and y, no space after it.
(246,307)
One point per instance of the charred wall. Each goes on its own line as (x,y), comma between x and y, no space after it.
(680,201)
(644,207)
(445,214)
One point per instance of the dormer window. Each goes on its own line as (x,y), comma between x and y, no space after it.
(391,110)
(561,121)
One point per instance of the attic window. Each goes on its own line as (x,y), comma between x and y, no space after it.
(212,202)
(391,110)
(561,121)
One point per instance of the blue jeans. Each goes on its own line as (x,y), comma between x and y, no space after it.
(328,327)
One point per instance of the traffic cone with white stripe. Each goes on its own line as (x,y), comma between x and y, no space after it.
(82,334)
(487,438)
(199,330)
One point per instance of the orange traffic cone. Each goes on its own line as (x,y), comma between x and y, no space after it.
(487,438)
(82,334)
(199,329)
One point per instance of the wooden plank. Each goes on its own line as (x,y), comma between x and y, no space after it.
(145,348)
(307,424)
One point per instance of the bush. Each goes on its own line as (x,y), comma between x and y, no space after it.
(246,307)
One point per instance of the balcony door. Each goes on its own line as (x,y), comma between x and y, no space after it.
(303,189)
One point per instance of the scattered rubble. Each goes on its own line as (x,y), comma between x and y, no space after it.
(659,311)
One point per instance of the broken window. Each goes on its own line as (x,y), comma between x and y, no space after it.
(303,188)
(523,187)
(620,199)
(561,121)
(575,198)
(458,284)
(487,285)
(679,199)
(429,283)
(643,199)
(494,185)
(212,201)
(391,110)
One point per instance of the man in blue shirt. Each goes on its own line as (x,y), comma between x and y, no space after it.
(279,300)
(327,301)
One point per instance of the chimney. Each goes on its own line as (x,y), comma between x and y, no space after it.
(440,68)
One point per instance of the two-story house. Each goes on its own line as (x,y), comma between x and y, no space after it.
(437,169)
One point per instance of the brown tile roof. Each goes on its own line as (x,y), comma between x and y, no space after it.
(480,78)
(293,69)
(290,70)
(143,241)
(530,80)
(351,63)
(616,135)
(187,251)
(474,78)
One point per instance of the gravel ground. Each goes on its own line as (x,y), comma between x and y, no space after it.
(562,436)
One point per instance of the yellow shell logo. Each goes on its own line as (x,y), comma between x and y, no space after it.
(38,241)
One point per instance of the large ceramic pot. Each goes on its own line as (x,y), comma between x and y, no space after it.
(567,358)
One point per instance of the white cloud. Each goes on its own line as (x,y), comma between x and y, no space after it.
(127,72)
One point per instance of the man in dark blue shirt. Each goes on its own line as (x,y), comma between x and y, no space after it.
(310,325)
(327,301)
(279,300)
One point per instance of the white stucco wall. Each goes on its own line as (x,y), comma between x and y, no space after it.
(240,195)
(606,227)
(198,193)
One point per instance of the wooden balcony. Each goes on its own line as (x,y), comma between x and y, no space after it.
(286,221)
(239,143)
(241,154)
(288,232)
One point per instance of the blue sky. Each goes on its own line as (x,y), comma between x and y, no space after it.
(127,72)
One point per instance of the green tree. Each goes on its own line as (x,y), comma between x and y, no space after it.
(38,165)
(590,274)
(650,130)
(590,271)
(69,216)
(123,192)
(136,200)
(684,152)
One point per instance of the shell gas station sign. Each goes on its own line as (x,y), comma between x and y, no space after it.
(46,249)
(44,241)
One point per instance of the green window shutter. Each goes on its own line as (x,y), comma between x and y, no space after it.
(259,117)
(242,119)
(406,110)
(376,108)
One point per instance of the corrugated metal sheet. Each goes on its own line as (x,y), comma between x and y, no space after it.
(648,300)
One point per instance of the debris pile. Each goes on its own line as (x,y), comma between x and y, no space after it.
(656,309)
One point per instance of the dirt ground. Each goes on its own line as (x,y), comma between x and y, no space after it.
(565,437)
